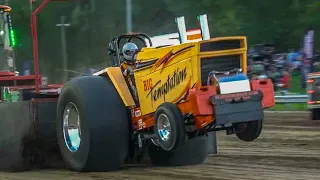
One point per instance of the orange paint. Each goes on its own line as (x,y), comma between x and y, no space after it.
(160,61)
(168,57)
(194,36)
(198,102)
(266,87)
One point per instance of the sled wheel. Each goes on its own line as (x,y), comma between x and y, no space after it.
(92,125)
(16,160)
(169,126)
(193,152)
(250,130)
(16,151)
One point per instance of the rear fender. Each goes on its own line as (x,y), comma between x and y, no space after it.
(266,87)
(199,100)
(115,74)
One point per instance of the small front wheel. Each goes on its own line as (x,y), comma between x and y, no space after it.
(169,127)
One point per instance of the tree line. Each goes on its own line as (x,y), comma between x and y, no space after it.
(95,22)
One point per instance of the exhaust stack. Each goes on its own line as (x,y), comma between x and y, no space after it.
(189,36)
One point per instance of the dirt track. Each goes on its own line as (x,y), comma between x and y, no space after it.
(289,148)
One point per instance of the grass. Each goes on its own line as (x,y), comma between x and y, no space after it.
(295,87)
(289,107)
(295,84)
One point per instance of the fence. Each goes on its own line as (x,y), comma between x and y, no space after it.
(290,102)
(299,98)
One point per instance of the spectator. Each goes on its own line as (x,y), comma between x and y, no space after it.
(292,58)
(296,63)
(250,64)
(285,80)
(254,76)
(292,55)
(274,76)
(266,64)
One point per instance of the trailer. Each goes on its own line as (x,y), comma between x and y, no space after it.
(313,82)
(28,105)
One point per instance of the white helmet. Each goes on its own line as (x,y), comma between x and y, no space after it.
(128,50)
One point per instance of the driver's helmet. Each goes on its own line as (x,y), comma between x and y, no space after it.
(128,50)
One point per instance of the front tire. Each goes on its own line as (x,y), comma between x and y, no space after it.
(100,125)
(169,126)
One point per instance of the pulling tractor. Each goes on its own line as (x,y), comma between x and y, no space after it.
(313,90)
(173,96)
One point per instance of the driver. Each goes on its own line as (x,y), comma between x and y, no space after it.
(129,51)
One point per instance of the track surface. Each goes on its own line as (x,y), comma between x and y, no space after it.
(289,148)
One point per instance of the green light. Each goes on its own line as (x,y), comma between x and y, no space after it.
(12,38)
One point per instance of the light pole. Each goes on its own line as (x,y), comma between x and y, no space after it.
(64,53)
(31,5)
(129,15)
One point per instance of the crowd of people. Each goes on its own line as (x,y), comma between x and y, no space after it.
(281,67)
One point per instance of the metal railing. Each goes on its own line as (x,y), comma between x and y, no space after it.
(299,98)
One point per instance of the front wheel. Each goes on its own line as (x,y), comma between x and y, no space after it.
(169,127)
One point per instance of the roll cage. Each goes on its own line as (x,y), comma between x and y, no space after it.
(114,49)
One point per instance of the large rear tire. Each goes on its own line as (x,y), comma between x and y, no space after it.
(103,141)
(193,152)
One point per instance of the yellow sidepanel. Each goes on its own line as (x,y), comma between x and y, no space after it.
(163,57)
(120,84)
(164,85)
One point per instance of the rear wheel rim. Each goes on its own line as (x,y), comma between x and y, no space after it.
(71,127)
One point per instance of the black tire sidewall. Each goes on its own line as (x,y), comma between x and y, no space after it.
(252,131)
(77,159)
(105,125)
